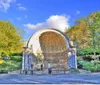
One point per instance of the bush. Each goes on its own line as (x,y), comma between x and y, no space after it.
(10,66)
(87,58)
(87,51)
(93,67)
(15,54)
(11,62)
(16,58)
(98,67)
(89,66)
(80,66)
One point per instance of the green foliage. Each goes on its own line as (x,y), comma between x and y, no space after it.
(86,32)
(10,65)
(16,58)
(94,24)
(84,51)
(90,66)
(11,41)
(87,51)
(15,54)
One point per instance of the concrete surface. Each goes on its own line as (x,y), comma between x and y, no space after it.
(90,78)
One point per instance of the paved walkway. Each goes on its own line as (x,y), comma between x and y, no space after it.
(93,78)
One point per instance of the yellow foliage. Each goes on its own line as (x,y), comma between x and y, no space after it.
(79,33)
(1,61)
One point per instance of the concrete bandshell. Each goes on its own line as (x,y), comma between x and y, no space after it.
(34,46)
(34,39)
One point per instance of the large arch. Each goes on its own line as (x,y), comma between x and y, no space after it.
(34,39)
(55,47)
(55,50)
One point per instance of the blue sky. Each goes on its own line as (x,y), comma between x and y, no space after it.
(32,15)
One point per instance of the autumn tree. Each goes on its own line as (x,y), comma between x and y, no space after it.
(79,33)
(10,39)
(86,32)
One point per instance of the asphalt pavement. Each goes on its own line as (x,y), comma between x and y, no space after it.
(90,78)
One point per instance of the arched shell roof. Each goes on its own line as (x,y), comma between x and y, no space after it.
(34,39)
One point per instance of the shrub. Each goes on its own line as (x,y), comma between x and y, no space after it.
(87,51)
(80,66)
(93,67)
(15,54)
(87,58)
(10,66)
(16,58)
(98,67)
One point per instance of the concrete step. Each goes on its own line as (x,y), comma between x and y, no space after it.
(42,72)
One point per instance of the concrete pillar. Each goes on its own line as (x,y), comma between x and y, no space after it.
(23,62)
(27,59)
(72,59)
(75,58)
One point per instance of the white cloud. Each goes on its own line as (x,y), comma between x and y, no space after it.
(20,7)
(77,12)
(59,22)
(30,26)
(5,4)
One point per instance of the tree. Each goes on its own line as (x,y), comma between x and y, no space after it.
(10,39)
(94,25)
(79,33)
(86,32)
